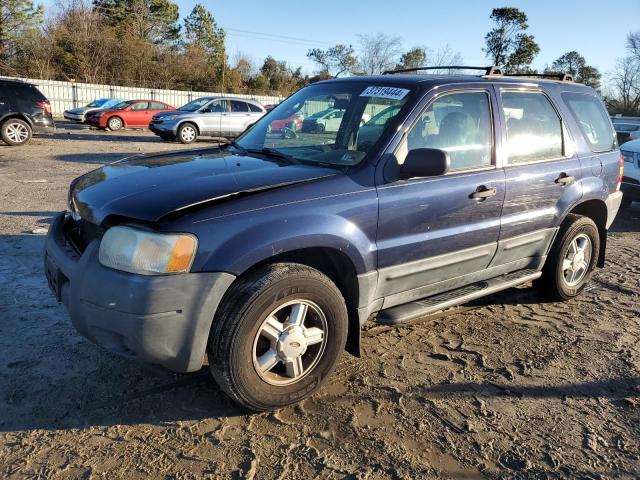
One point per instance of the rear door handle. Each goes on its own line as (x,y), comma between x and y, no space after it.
(565,179)
(482,193)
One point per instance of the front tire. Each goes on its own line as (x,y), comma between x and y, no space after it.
(16,132)
(115,123)
(277,336)
(572,259)
(187,133)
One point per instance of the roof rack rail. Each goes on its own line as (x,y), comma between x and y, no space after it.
(563,77)
(492,70)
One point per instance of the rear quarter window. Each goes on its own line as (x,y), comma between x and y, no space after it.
(593,120)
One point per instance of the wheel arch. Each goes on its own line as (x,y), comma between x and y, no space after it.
(596,210)
(192,122)
(124,123)
(338,267)
(17,115)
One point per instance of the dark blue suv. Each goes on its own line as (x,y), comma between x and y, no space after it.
(269,254)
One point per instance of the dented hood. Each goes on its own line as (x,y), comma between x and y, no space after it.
(148,188)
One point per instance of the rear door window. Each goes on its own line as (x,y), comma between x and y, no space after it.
(237,106)
(534,130)
(158,106)
(593,120)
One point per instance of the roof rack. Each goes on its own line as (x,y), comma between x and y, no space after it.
(492,70)
(563,77)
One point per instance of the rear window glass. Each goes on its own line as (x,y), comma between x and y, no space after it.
(254,108)
(592,119)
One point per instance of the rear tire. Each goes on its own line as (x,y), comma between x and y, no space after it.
(572,259)
(15,132)
(258,354)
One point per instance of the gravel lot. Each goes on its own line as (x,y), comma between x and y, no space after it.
(506,387)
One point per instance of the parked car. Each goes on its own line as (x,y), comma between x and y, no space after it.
(293,122)
(631,179)
(328,120)
(131,113)
(79,114)
(212,116)
(269,254)
(627,131)
(24,110)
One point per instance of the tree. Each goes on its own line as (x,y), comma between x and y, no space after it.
(19,19)
(413,58)
(633,44)
(507,44)
(202,32)
(334,61)
(378,53)
(575,64)
(152,20)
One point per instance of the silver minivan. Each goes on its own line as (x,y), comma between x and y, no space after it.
(224,117)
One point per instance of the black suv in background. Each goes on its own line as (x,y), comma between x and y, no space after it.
(24,110)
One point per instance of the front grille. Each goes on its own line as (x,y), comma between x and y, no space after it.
(80,233)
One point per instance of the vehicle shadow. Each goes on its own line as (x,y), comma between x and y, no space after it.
(627,220)
(612,389)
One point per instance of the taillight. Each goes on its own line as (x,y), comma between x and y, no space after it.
(46,105)
(620,171)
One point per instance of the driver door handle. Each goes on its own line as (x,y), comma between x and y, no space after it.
(482,193)
(565,179)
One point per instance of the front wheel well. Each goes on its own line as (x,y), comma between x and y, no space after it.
(340,269)
(596,210)
(190,123)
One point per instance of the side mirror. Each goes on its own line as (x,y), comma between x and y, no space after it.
(424,162)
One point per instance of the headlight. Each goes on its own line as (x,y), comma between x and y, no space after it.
(147,253)
(169,117)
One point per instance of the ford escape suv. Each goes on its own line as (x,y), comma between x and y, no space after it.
(268,254)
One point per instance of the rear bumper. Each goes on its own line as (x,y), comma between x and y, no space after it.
(161,319)
(613,202)
(43,125)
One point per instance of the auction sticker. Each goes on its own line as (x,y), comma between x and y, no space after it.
(393,93)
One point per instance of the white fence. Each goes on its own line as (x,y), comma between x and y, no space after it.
(66,95)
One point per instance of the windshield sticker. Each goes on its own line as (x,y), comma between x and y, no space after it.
(385,92)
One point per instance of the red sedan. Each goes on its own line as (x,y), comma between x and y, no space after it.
(132,113)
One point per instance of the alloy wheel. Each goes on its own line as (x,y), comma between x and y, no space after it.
(290,342)
(17,132)
(575,264)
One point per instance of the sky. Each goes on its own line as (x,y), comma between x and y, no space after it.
(287,30)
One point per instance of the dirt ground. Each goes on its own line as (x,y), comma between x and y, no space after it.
(506,387)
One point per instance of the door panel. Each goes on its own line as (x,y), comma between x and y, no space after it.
(210,120)
(431,230)
(138,115)
(239,117)
(538,189)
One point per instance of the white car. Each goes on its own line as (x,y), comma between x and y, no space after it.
(79,114)
(328,120)
(631,179)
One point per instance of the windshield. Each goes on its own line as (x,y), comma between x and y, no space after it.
(330,127)
(98,103)
(123,105)
(196,104)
